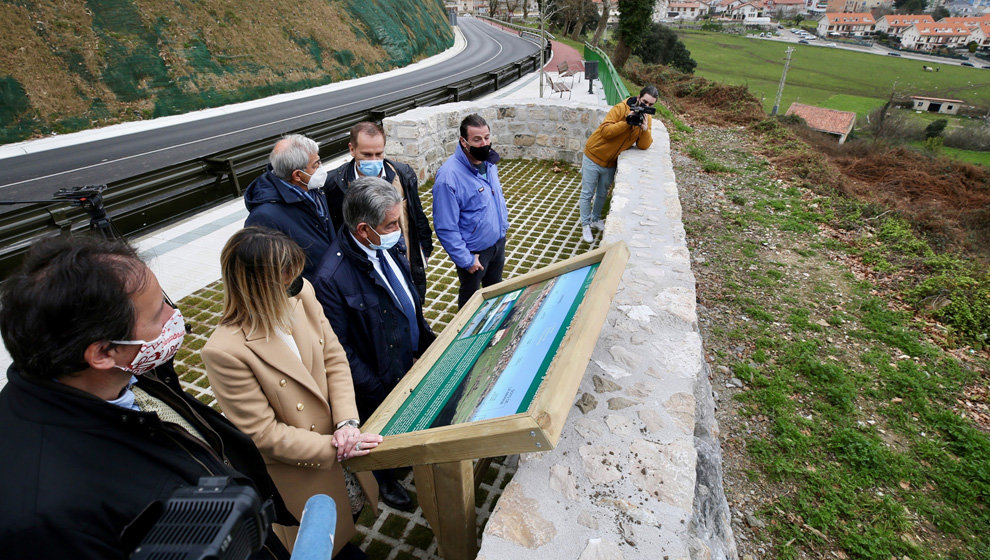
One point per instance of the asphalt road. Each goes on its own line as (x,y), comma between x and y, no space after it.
(35,176)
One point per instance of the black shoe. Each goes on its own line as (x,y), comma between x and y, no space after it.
(395,495)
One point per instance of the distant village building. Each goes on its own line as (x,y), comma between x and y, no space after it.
(830,121)
(785,8)
(931,36)
(846,24)
(858,6)
(936,105)
(896,25)
(687,11)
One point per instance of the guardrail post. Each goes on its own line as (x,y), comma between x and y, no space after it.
(455,94)
(494,77)
(519,72)
(221,167)
(377,116)
(61,220)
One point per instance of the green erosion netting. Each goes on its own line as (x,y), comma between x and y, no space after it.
(404,28)
(152,64)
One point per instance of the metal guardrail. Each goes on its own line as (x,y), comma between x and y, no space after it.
(151,200)
(520,28)
(615,88)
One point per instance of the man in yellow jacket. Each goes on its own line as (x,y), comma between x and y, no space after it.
(627,123)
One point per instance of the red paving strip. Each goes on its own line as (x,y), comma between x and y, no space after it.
(561,52)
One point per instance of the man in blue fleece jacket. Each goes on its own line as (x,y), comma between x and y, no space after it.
(469,213)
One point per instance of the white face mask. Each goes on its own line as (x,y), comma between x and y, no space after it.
(317,179)
(387,241)
(154,353)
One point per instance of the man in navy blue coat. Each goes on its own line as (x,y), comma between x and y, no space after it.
(369,297)
(289,197)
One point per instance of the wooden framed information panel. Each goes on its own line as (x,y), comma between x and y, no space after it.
(501,378)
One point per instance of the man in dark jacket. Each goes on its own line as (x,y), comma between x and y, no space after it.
(90,436)
(368,296)
(367,147)
(289,197)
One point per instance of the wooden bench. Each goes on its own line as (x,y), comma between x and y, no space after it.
(558,86)
(563,71)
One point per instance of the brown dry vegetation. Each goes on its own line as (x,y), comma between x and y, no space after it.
(69,64)
(945,198)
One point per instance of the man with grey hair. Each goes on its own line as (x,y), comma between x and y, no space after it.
(368,295)
(289,197)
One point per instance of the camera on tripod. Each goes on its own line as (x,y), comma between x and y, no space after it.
(637,115)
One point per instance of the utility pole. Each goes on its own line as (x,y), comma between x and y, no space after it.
(783,78)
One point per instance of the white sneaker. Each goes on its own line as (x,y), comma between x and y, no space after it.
(586,234)
(598,224)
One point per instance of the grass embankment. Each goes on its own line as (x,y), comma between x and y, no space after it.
(859,435)
(827,77)
(857,423)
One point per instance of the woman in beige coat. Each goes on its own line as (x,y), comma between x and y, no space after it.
(280,376)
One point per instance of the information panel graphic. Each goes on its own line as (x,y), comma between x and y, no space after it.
(499,358)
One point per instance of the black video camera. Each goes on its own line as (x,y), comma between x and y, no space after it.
(216,520)
(636,115)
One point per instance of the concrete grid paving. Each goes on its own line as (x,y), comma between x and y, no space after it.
(542,200)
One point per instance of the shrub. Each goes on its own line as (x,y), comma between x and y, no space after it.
(936,128)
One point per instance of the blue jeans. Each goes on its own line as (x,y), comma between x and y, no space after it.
(595,181)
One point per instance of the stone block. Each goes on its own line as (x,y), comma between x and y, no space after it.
(601,550)
(561,480)
(665,471)
(601,464)
(524,140)
(517,519)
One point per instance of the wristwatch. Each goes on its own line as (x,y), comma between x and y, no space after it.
(352,423)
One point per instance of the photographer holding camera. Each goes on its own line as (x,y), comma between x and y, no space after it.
(628,122)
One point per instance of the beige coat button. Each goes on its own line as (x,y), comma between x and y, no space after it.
(321,341)
(299,406)
(281,383)
(312,428)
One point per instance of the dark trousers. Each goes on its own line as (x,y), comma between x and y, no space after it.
(493,261)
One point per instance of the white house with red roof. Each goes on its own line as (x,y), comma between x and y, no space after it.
(931,36)
(936,104)
(896,25)
(746,10)
(688,11)
(848,24)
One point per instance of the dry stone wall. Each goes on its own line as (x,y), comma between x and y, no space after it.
(425,137)
(637,472)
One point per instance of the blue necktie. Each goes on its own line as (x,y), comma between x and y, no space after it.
(406,304)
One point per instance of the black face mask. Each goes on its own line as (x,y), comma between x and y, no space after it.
(479,153)
(295,287)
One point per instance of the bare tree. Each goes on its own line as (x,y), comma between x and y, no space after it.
(510,8)
(492,7)
(525,7)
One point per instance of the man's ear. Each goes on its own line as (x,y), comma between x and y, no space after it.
(350,148)
(100,354)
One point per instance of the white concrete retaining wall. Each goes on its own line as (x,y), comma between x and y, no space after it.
(637,472)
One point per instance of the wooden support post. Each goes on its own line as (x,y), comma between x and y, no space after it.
(446,494)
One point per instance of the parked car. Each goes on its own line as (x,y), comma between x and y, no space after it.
(970,64)
(804,42)
(893,54)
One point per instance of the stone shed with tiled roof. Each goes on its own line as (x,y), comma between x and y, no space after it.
(829,121)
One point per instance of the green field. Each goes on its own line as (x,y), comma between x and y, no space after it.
(827,77)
